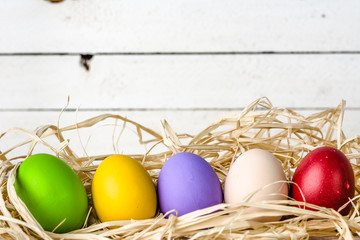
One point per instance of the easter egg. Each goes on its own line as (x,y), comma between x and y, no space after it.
(122,189)
(52,192)
(187,183)
(256,176)
(325,178)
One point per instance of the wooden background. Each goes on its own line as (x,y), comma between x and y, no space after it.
(184,61)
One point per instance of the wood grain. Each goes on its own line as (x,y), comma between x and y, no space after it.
(179,82)
(184,61)
(181,26)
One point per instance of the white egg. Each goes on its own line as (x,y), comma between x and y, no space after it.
(256,172)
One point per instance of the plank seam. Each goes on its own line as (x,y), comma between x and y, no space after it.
(180,53)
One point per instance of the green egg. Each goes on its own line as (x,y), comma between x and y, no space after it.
(52,192)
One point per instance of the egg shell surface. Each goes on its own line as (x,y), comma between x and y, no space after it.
(122,189)
(257,172)
(52,191)
(325,178)
(186,183)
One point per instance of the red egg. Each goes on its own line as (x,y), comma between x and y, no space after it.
(324,178)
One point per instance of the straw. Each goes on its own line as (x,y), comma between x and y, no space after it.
(283,132)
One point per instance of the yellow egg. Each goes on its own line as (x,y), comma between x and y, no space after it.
(122,189)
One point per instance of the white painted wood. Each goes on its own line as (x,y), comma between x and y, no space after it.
(101,141)
(208,84)
(171,82)
(182,25)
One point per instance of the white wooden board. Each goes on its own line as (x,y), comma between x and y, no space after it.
(185,61)
(179,82)
(178,26)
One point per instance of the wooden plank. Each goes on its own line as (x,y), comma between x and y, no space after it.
(180,26)
(172,82)
(101,141)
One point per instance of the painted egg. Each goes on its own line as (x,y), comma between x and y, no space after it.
(52,192)
(187,183)
(256,176)
(122,189)
(325,178)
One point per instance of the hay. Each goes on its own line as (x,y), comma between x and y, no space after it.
(285,133)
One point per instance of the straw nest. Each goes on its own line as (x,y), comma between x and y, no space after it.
(283,132)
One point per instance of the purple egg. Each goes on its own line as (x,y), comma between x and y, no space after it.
(187,183)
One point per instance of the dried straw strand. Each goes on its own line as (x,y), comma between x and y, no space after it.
(283,132)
